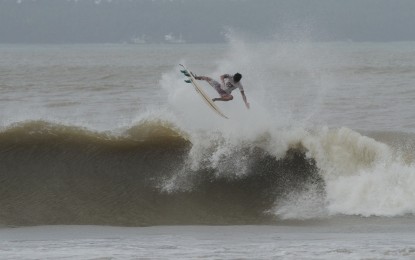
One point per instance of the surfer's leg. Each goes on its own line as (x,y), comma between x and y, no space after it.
(203,78)
(217,87)
(226,97)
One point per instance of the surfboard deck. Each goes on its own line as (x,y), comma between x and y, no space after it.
(201,92)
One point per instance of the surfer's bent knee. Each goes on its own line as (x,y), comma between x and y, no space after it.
(227,97)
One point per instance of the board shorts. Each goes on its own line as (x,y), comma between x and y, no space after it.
(217,87)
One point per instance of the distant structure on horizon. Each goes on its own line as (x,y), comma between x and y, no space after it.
(170,38)
(143,39)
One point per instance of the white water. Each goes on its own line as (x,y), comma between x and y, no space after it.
(328,98)
(292,89)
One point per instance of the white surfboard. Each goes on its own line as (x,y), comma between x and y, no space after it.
(201,92)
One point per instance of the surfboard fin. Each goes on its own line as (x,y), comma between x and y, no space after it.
(185,72)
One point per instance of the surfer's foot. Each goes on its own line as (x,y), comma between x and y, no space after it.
(196,76)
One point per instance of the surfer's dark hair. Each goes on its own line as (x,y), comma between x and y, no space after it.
(237,77)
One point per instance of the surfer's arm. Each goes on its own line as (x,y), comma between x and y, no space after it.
(244,98)
(223,77)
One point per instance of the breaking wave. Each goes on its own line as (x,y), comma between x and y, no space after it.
(176,162)
(156,173)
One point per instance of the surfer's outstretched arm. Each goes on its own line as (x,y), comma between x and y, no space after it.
(245,100)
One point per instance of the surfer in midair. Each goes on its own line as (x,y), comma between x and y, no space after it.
(229,84)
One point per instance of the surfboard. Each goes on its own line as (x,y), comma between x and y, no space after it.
(191,79)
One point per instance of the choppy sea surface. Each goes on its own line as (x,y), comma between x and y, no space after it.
(106,153)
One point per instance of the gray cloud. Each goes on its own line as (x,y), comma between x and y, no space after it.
(107,21)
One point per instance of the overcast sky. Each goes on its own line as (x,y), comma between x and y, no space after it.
(197,21)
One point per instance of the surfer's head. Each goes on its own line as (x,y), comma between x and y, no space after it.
(237,77)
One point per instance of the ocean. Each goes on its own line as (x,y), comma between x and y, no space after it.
(106,153)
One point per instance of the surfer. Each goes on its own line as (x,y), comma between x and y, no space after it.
(229,84)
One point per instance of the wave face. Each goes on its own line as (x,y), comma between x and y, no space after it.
(154,173)
(57,174)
